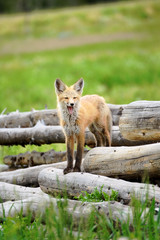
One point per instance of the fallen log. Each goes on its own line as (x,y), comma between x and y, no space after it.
(35,158)
(53,181)
(49,117)
(124,162)
(116,111)
(37,135)
(41,134)
(29,119)
(4,167)
(79,211)
(140,121)
(11,192)
(27,176)
(38,201)
(119,140)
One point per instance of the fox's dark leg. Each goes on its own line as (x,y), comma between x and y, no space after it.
(70,154)
(79,154)
(97,135)
(107,131)
(108,136)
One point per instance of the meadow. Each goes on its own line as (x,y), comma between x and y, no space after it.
(121,70)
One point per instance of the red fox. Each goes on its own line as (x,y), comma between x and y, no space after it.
(76,113)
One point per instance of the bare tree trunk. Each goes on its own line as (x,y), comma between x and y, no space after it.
(29,119)
(48,117)
(38,135)
(78,210)
(41,134)
(3,168)
(124,162)
(12,192)
(27,176)
(35,158)
(53,181)
(140,121)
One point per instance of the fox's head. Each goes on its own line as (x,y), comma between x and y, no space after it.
(69,97)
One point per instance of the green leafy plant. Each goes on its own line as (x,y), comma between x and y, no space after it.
(97,196)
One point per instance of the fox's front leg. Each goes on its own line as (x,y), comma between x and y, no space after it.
(70,154)
(79,154)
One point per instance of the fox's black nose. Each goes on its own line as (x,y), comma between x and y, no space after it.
(72,104)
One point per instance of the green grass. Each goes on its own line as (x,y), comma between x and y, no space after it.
(97,196)
(53,226)
(120,71)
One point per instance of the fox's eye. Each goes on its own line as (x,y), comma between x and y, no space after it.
(66,98)
(74,97)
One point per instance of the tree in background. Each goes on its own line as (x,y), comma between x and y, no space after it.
(10,6)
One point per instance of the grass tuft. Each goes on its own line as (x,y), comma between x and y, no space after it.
(97,196)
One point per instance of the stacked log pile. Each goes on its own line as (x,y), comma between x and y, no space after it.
(42,127)
(134,153)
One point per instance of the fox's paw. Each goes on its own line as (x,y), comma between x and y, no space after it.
(67,170)
(76,169)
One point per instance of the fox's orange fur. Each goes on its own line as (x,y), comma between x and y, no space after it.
(76,113)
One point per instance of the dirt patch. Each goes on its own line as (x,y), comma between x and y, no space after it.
(37,45)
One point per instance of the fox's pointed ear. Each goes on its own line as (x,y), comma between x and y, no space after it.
(78,86)
(59,86)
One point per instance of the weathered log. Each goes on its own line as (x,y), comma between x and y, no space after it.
(78,210)
(53,181)
(41,134)
(11,192)
(119,140)
(29,119)
(124,162)
(27,176)
(37,135)
(35,158)
(116,111)
(140,121)
(38,199)
(48,117)
(3,167)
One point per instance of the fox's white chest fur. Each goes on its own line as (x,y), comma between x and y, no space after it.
(70,126)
